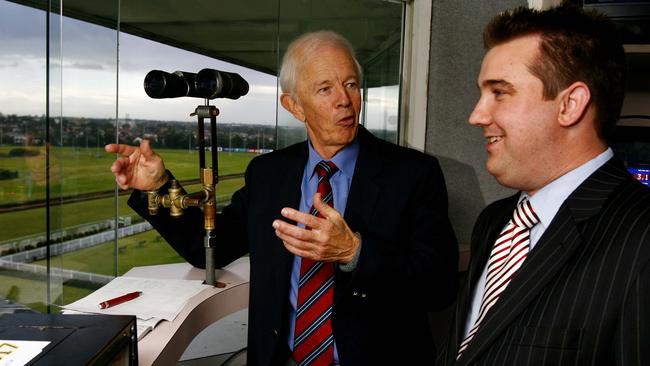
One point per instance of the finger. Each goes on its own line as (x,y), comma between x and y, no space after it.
(325,210)
(145,149)
(293,231)
(119,165)
(292,241)
(301,217)
(298,251)
(122,186)
(122,181)
(298,247)
(122,149)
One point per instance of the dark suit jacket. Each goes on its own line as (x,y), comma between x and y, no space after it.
(407,265)
(582,297)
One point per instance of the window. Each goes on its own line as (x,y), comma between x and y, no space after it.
(72,82)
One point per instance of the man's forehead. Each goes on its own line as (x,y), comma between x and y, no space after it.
(327,63)
(508,60)
(518,50)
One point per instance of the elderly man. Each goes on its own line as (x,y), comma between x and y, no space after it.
(560,272)
(348,235)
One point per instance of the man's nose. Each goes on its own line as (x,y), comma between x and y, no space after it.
(343,97)
(480,115)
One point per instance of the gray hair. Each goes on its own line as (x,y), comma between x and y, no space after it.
(305,45)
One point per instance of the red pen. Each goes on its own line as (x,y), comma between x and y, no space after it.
(120,299)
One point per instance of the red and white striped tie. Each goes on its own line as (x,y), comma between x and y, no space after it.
(313,336)
(509,252)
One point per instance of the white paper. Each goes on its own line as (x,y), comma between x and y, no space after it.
(161,298)
(144,326)
(15,353)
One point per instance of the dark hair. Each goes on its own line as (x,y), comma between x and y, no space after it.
(576,45)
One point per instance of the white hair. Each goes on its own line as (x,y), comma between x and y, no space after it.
(305,45)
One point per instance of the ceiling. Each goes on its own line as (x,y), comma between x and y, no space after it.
(631,17)
(249,32)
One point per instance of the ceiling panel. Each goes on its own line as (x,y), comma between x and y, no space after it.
(246,32)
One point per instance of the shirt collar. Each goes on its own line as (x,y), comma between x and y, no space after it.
(547,201)
(345,159)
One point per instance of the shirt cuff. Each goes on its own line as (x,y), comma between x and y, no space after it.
(352,265)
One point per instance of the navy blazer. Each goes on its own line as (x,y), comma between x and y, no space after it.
(582,297)
(407,264)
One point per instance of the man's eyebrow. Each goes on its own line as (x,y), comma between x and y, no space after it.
(498,83)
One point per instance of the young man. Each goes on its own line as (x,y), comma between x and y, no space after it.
(560,271)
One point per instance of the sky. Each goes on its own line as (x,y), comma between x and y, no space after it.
(86,83)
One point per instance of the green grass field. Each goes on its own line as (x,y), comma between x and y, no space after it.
(79,171)
(73,214)
(143,249)
(75,171)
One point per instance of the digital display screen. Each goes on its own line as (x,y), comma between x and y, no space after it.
(641,174)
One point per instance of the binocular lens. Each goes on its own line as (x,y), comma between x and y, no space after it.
(212,83)
(159,84)
(208,83)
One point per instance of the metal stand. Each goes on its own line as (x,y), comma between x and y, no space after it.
(176,201)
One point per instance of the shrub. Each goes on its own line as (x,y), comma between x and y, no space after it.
(22,152)
(8,174)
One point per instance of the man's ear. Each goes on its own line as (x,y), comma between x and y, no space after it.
(292,106)
(574,103)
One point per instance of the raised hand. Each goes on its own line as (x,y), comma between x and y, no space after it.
(329,240)
(137,167)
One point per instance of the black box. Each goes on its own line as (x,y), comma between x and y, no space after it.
(75,339)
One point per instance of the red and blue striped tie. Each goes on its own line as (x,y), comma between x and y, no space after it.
(313,337)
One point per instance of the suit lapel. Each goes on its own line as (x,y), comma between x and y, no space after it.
(486,236)
(289,193)
(364,190)
(362,197)
(560,240)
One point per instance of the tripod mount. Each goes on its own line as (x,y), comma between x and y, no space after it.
(176,200)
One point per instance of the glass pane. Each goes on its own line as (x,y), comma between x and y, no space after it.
(22,153)
(58,109)
(245,126)
(382,96)
(82,204)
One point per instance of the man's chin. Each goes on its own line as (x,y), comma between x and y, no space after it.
(497,172)
(349,133)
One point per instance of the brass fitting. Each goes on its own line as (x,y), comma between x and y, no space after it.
(177,202)
(209,214)
(175,199)
(209,206)
(207,179)
(153,202)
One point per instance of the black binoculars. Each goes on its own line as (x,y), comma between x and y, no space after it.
(207,84)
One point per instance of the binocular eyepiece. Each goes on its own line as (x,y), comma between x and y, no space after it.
(207,84)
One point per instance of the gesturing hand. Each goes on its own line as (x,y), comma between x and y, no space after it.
(137,167)
(329,240)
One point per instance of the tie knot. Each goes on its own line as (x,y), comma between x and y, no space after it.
(326,168)
(524,215)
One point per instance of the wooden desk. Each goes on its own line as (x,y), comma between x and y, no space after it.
(165,344)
